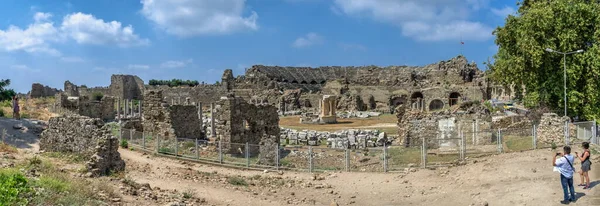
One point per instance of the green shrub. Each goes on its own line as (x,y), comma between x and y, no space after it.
(97,96)
(238,181)
(1,113)
(166,150)
(14,188)
(554,145)
(124,143)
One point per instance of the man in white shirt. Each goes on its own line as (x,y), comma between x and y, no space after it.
(564,164)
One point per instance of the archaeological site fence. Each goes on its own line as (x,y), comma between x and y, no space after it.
(441,150)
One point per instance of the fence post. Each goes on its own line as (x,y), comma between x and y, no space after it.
(385,163)
(310,159)
(566,133)
(220,152)
(197,151)
(595,132)
(247,155)
(423,154)
(463,146)
(176,147)
(144,140)
(498,141)
(347,159)
(277,159)
(131,133)
(534,134)
(157,143)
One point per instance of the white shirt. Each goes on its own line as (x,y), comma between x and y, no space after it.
(564,167)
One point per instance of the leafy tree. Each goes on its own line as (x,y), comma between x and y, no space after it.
(6,94)
(173,82)
(562,25)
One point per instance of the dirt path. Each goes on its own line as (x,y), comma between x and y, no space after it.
(24,136)
(507,179)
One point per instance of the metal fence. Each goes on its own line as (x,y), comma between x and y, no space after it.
(431,153)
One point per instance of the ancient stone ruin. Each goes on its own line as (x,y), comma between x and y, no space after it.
(38,90)
(328,107)
(171,121)
(551,128)
(94,108)
(238,123)
(89,137)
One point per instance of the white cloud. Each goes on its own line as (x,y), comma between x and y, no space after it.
(504,12)
(308,40)
(138,67)
(186,18)
(175,64)
(87,29)
(39,36)
(25,68)
(41,16)
(34,39)
(72,59)
(424,20)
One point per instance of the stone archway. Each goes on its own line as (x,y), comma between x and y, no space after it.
(436,104)
(454,98)
(417,100)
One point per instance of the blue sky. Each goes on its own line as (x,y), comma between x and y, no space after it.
(86,41)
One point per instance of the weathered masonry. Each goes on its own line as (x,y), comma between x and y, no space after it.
(239,122)
(171,121)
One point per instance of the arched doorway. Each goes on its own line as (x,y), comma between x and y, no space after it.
(454,98)
(436,104)
(416,100)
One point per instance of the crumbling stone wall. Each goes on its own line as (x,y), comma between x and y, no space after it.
(239,122)
(185,121)
(103,109)
(204,94)
(38,90)
(170,121)
(126,87)
(89,137)
(71,89)
(551,128)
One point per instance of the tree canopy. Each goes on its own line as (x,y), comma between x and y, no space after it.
(6,94)
(173,82)
(522,59)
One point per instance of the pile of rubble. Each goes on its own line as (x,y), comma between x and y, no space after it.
(352,138)
(357,114)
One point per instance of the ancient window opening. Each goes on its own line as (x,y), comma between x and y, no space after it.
(285,80)
(294,82)
(303,82)
(416,96)
(453,98)
(313,82)
(323,82)
(436,104)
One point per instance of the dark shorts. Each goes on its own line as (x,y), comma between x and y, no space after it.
(586,166)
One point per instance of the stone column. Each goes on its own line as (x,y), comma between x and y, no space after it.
(140,108)
(212,120)
(126,110)
(187,101)
(118,107)
(200,112)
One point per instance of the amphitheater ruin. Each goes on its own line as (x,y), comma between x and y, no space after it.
(434,105)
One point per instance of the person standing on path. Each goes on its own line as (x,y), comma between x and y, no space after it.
(564,164)
(16,108)
(586,165)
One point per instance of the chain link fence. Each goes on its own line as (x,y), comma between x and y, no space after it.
(432,152)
